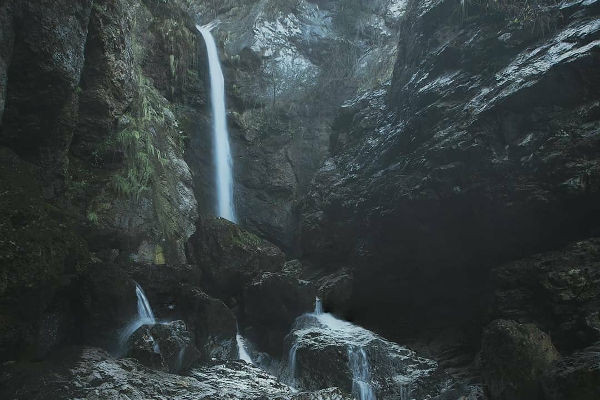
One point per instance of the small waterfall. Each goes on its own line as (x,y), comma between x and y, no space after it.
(292,365)
(318,306)
(361,376)
(242,351)
(222,150)
(143,306)
(144,316)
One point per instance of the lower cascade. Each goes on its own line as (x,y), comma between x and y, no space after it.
(242,350)
(361,376)
(145,313)
(145,316)
(325,350)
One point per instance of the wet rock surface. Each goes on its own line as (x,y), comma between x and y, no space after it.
(326,351)
(165,346)
(91,373)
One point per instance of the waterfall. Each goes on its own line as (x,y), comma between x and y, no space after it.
(318,306)
(361,376)
(358,362)
(222,151)
(242,351)
(143,306)
(292,365)
(144,316)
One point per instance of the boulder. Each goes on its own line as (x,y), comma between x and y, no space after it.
(271,304)
(324,351)
(335,290)
(165,346)
(574,377)
(211,322)
(175,294)
(230,257)
(514,357)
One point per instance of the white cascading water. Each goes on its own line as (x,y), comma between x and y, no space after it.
(318,306)
(222,151)
(242,350)
(143,306)
(358,361)
(294,349)
(144,316)
(361,375)
(292,365)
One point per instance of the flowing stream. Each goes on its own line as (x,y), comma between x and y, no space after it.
(222,151)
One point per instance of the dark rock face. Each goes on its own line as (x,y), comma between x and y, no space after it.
(483,149)
(335,290)
(42,260)
(75,88)
(514,358)
(559,291)
(574,377)
(41,70)
(166,346)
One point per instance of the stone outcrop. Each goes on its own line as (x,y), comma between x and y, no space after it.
(325,351)
(514,357)
(165,346)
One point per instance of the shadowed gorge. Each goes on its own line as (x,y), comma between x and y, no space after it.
(300,199)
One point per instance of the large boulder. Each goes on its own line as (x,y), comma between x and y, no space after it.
(574,377)
(165,346)
(213,324)
(335,290)
(324,351)
(230,257)
(271,304)
(514,358)
(174,294)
